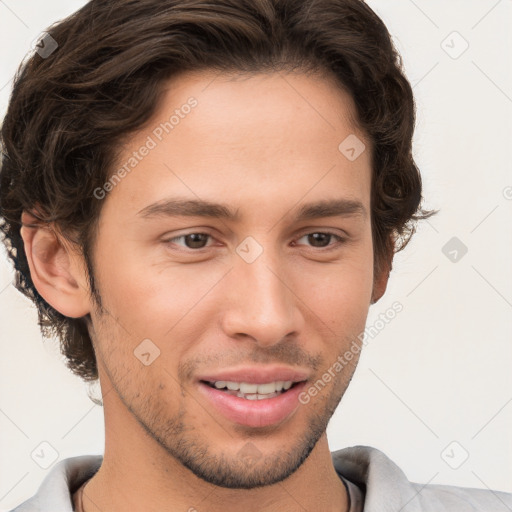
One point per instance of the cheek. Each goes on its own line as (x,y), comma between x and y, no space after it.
(158,301)
(340,293)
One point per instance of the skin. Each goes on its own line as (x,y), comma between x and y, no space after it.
(263,144)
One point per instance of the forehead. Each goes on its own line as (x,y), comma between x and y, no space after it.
(246,139)
(246,97)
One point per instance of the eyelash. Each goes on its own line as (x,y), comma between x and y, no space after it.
(340,239)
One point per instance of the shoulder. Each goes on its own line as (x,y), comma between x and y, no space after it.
(64,478)
(381,479)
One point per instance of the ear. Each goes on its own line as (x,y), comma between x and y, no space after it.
(55,268)
(380,281)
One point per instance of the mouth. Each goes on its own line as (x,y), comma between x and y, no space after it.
(254,397)
(251,391)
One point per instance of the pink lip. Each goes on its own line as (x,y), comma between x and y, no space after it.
(254,413)
(255,375)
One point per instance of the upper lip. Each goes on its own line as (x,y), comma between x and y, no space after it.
(257,374)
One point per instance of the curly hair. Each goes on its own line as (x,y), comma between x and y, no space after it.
(70,110)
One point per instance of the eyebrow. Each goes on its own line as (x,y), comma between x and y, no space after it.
(175,207)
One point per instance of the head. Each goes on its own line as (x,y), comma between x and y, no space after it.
(296,119)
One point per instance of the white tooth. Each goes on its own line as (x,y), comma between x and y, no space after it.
(248,388)
(251,397)
(264,389)
(287,384)
(234,386)
(220,384)
(279,385)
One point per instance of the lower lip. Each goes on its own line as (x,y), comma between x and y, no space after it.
(254,413)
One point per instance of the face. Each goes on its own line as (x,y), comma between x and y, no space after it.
(210,312)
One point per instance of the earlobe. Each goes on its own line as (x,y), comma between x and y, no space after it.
(380,282)
(54,268)
(380,285)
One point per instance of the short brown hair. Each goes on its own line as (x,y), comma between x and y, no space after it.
(70,110)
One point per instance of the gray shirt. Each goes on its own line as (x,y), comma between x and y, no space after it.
(374,483)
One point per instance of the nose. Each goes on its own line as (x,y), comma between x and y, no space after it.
(261,305)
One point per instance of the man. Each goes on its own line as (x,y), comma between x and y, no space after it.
(207,243)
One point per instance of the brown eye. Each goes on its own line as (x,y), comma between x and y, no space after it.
(192,240)
(321,239)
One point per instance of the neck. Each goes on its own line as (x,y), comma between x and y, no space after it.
(128,480)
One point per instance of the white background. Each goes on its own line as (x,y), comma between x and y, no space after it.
(440,371)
